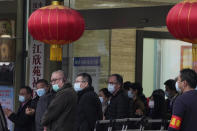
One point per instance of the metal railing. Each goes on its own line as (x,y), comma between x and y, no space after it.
(126,123)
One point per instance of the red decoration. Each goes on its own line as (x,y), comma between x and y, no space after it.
(56,24)
(182,21)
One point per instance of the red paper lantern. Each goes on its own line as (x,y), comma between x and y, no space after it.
(182,24)
(182,21)
(56,25)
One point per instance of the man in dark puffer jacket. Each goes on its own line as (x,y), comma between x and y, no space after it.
(89,108)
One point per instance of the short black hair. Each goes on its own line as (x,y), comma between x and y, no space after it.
(159,92)
(86,77)
(137,86)
(28,89)
(105,92)
(127,85)
(118,78)
(190,76)
(42,81)
(171,84)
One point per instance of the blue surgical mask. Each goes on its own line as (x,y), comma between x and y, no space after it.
(177,88)
(111,88)
(55,87)
(101,99)
(151,104)
(21,98)
(40,92)
(167,94)
(77,87)
(130,94)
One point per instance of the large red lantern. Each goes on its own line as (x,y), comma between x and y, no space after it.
(182,24)
(56,25)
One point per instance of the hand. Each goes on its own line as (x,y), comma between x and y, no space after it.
(45,128)
(29,111)
(7,112)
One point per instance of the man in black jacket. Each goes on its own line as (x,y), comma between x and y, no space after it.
(42,88)
(22,121)
(89,108)
(60,113)
(120,105)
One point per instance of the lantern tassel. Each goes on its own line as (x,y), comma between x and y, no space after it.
(56,52)
(194,56)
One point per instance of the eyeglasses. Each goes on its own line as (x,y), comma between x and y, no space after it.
(54,80)
(79,81)
(112,83)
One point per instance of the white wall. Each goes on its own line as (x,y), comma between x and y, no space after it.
(170,62)
(170,59)
(148,66)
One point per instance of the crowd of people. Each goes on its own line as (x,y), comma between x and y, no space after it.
(59,106)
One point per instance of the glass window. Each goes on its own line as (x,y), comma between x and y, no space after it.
(162,60)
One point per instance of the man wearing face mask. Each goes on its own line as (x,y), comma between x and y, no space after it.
(184,114)
(42,87)
(22,121)
(89,108)
(171,93)
(61,111)
(119,106)
(38,106)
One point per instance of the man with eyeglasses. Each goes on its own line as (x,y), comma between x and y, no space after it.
(119,106)
(89,108)
(61,111)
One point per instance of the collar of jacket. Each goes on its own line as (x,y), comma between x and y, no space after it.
(118,92)
(67,85)
(90,88)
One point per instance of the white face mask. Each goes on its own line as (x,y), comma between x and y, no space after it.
(151,104)
(77,87)
(101,99)
(177,88)
(130,94)
(21,98)
(111,88)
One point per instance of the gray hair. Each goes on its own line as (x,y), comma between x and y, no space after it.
(61,72)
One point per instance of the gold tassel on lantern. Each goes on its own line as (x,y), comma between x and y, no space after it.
(56,53)
(194,56)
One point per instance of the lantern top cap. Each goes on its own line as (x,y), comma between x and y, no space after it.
(55,3)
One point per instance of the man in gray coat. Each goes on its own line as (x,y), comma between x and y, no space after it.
(61,111)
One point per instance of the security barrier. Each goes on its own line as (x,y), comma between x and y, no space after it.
(132,124)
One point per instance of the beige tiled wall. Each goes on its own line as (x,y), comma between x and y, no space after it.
(123,49)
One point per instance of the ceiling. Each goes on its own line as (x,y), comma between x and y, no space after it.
(99,4)
(8,7)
